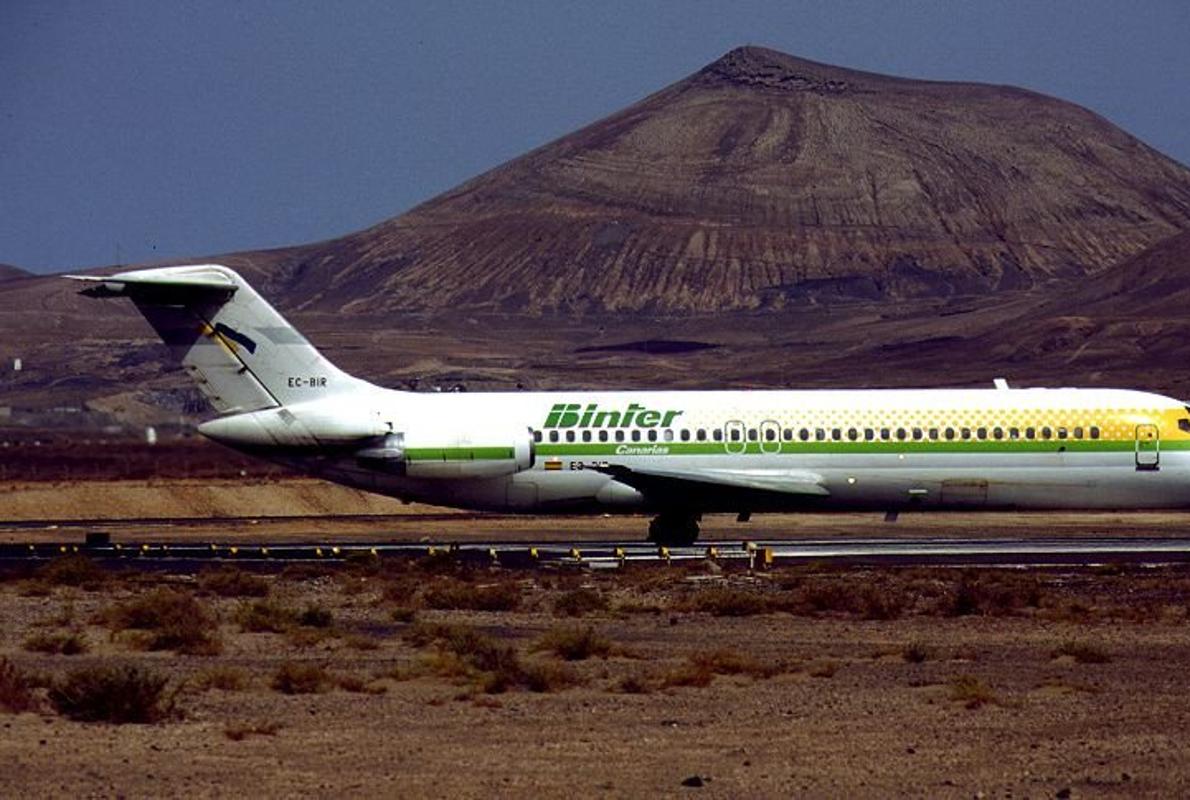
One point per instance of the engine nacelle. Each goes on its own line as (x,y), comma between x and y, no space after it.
(460,454)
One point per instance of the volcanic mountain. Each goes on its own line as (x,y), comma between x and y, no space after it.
(8,272)
(787,223)
(764,180)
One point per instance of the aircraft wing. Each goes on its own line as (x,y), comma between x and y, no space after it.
(718,484)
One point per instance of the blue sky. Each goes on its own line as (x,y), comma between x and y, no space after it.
(147,130)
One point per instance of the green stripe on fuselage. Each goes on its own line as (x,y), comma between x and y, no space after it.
(841,448)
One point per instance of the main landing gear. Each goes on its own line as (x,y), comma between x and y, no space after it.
(674,528)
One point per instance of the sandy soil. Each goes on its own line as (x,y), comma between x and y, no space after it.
(846,715)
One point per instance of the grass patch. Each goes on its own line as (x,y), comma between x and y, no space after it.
(574,643)
(457,595)
(722,601)
(313,616)
(16,689)
(225,679)
(67,643)
(547,676)
(232,582)
(172,620)
(1083,652)
(580,602)
(633,684)
(72,570)
(296,678)
(972,692)
(993,594)
(115,694)
(238,731)
(732,662)
(265,616)
(464,652)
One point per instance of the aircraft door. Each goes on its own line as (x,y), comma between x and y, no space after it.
(1148,447)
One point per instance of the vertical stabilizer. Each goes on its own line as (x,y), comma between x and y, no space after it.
(242,353)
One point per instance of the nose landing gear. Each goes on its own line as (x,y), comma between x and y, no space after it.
(674,528)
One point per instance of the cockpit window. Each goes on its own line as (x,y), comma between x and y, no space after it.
(1184,425)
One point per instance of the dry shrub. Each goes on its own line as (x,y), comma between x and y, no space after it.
(580,602)
(265,616)
(731,662)
(358,685)
(223,678)
(173,620)
(466,652)
(457,595)
(314,616)
(16,689)
(917,652)
(403,614)
(297,678)
(823,669)
(1083,652)
(548,676)
(639,607)
(67,643)
(993,594)
(402,590)
(73,570)
(972,692)
(359,641)
(633,684)
(232,582)
(238,731)
(115,694)
(687,674)
(835,595)
(574,643)
(722,601)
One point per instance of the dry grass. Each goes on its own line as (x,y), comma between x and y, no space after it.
(1083,652)
(171,619)
(574,643)
(458,595)
(115,694)
(73,570)
(265,616)
(16,689)
(824,668)
(724,601)
(232,582)
(238,731)
(972,692)
(300,678)
(994,593)
(580,602)
(67,643)
(917,652)
(358,685)
(223,678)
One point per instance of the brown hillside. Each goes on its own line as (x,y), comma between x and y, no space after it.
(764,180)
(8,272)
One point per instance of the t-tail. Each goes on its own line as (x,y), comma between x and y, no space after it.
(270,384)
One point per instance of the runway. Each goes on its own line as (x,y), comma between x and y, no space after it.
(1032,552)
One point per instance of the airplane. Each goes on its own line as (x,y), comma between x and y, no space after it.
(674,454)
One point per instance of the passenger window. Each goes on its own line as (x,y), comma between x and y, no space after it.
(917,434)
(735,434)
(770,435)
(1184,425)
(1014,433)
(949,434)
(652,434)
(537,436)
(820,434)
(966,433)
(901,434)
(787,434)
(619,436)
(933,434)
(1078,432)
(1030,433)
(852,434)
(981,433)
(1061,433)
(869,434)
(884,434)
(668,435)
(586,436)
(998,432)
(685,435)
(1046,432)
(836,434)
(603,436)
(1094,431)
(717,434)
(570,436)
(553,436)
(752,434)
(701,435)
(636,436)
(804,434)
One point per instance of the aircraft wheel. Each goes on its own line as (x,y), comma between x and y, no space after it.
(674,530)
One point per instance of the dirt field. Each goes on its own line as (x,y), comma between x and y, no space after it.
(787,683)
